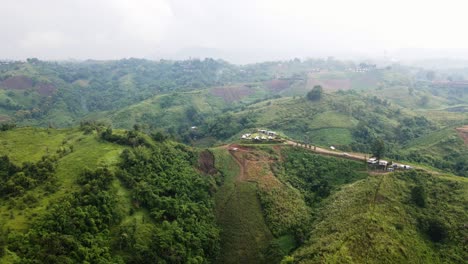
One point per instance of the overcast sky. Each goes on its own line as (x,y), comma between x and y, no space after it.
(239,30)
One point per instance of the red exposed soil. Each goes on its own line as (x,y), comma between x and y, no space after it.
(46,89)
(277,85)
(23,83)
(232,93)
(206,162)
(463,132)
(17,83)
(254,167)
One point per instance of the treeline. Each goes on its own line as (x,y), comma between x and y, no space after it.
(16,180)
(132,138)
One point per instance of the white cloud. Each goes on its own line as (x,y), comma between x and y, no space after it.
(110,29)
(42,40)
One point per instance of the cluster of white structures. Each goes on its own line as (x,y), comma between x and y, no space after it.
(385,165)
(267,135)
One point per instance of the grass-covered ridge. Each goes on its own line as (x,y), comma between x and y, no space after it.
(100,202)
(396,218)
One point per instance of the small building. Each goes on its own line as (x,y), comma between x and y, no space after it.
(244,137)
(270,137)
(264,138)
(383,163)
(332,147)
(271,133)
(262,131)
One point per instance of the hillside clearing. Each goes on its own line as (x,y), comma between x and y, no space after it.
(463,132)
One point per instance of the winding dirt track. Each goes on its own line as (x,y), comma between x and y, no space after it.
(241,176)
(353,156)
(322,151)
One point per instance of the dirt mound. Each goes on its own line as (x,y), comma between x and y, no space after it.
(206,162)
(231,93)
(463,132)
(17,83)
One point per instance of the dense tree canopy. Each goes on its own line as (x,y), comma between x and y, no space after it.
(315,94)
(378,148)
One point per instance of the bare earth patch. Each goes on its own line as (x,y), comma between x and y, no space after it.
(463,132)
(329,85)
(46,89)
(254,168)
(17,83)
(231,93)
(277,85)
(23,83)
(206,162)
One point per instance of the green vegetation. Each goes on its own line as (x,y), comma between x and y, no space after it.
(315,94)
(244,235)
(380,220)
(178,200)
(378,148)
(119,189)
(316,177)
(211,101)
(152,204)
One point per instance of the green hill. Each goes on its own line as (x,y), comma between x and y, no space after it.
(411,217)
(71,196)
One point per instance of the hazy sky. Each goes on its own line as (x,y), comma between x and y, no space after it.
(240,30)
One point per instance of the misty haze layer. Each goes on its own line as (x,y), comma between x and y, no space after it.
(239,31)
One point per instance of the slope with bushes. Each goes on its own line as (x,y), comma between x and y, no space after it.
(97,195)
(396,218)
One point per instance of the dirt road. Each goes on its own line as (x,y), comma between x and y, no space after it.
(353,156)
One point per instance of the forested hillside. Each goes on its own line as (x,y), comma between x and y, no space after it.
(204,102)
(88,200)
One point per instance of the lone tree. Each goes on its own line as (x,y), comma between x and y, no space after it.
(315,94)
(378,148)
